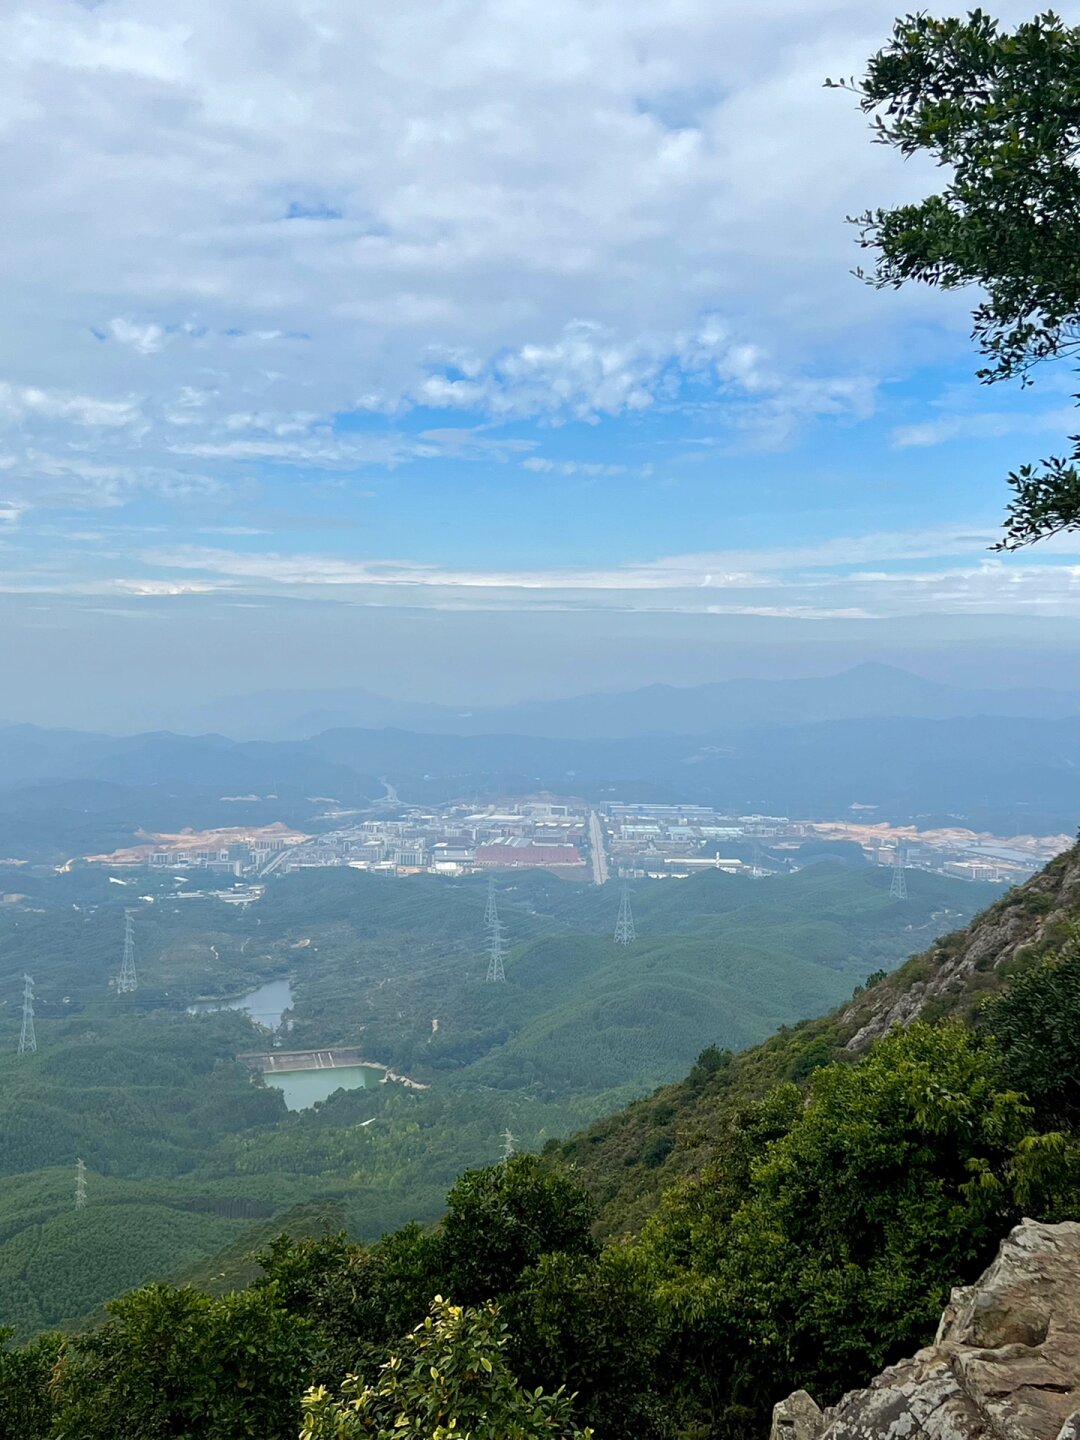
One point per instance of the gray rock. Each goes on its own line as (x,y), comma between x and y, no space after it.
(1005,1364)
(797,1418)
(991,940)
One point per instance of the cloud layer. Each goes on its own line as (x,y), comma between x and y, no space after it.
(283,213)
(856,577)
(255,250)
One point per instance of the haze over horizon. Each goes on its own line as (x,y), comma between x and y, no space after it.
(778,685)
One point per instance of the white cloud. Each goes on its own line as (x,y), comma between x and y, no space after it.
(163,587)
(145,339)
(811,581)
(21,402)
(984,426)
(229,223)
(264,211)
(591,469)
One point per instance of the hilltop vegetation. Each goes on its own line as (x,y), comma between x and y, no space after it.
(628,1159)
(179,1142)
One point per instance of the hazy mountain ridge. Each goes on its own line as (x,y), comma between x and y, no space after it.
(999,773)
(863,692)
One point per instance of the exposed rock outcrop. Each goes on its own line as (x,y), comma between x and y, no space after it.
(1005,1364)
(1024,917)
(799,1417)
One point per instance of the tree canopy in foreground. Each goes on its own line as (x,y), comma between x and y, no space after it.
(1000,112)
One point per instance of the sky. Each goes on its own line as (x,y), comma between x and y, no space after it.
(481,349)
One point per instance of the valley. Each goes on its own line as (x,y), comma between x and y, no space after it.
(193,1122)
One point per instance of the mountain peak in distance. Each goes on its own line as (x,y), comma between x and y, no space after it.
(866,691)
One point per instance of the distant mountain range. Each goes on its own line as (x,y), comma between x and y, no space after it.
(865,692)
(66,792)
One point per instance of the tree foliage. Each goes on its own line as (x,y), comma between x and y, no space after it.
(503,1219)
(825,1239)
(175,1363)
(449,1378)
(594,1325)
(26,1401)
(1036,1023)
(999,110)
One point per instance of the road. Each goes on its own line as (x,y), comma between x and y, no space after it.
(274,861)
(596,846)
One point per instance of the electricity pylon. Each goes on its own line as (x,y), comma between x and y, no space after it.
(494,927)
(27,1038)
(496,951)
(898,887)
(625,934)
(491,911)
(508,1144)
(128,980)
(80,1185)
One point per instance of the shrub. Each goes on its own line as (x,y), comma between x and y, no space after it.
(448,1378)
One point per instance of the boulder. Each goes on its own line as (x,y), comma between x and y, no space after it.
(797,1418)
(1005,1364)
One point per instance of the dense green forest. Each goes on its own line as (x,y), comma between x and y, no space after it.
(816,1203)
(184,1151)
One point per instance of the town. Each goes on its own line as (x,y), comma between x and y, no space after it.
(571,838)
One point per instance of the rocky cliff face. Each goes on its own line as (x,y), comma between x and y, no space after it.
(1005,1364)
(1029,915)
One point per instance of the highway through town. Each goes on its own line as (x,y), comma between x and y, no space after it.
(596,847)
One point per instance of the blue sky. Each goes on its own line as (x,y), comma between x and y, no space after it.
(488,307)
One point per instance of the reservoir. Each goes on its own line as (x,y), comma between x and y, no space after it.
(302,1088)
(266,1005)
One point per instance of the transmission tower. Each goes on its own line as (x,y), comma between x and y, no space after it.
(509,1144)
(128,980)
(27,1038)
(496,951)
(625,934)
(494,926)
(80,1185)
(491,910)
(898,888)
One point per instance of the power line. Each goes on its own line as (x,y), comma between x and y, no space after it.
(27,1038)
(625,934)
(80,1185)
(128,982)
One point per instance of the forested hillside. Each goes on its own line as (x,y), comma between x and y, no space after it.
(183,1150)
(628,1159)
(792,1215)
